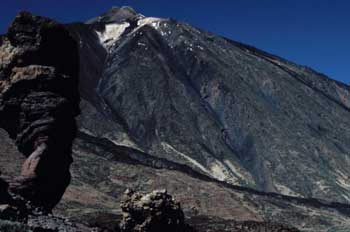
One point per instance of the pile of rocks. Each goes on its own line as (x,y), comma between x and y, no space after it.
(153,212)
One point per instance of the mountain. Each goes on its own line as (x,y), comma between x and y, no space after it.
(224,109)
(233,132)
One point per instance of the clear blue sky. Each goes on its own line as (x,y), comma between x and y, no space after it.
(315,33)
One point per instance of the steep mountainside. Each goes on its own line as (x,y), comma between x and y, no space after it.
(225,127)
(224,109)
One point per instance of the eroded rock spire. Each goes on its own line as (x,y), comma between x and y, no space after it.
(39,101)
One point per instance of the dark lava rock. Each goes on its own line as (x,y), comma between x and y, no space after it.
(9,212)
(39,100)
(153,212)
(4,195)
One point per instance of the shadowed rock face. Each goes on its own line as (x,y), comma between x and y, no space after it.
(4,195)
(39,100)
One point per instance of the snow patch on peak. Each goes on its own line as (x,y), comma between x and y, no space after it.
(112,33)
(154,22)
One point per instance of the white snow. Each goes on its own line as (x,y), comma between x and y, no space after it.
(168,148)
(236,170)
(124,140)
(154,22)
(219,171)
(286,191)
(343,180)
(216,169)
(86,131)
(343,183)
(112,33)
(322,185)
(346,197)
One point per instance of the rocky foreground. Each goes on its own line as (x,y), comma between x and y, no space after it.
(153,212)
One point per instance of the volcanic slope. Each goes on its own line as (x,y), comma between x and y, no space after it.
(222,108)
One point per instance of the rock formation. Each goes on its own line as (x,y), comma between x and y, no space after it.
(39,100)
(153,212)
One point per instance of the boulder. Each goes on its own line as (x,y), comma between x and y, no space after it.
(153,212)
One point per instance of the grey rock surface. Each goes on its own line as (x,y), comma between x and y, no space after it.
(190,108)
(224,109)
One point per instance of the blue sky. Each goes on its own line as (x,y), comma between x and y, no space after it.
(315,33)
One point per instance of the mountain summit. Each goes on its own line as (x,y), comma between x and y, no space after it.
(115,15)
